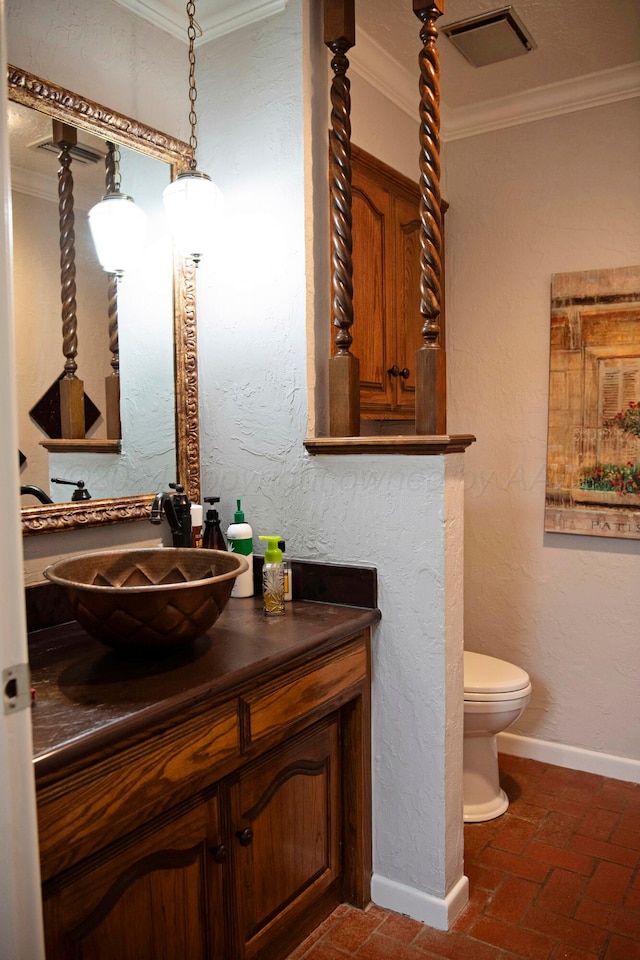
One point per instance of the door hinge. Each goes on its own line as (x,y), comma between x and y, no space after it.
(16,687)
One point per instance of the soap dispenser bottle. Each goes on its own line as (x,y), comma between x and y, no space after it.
(273,578)
(213,539)
(240,540)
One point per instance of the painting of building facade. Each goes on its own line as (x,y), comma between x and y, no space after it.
(593,452)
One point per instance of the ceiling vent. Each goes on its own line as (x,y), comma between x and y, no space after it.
(80,152)
(490,37)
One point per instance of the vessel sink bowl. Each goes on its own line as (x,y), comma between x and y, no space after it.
(147,599)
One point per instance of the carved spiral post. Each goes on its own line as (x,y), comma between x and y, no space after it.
(344,368)
(112,382)
(430,359)
(71,388)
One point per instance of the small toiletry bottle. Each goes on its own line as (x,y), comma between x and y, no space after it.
(212,538)
(288,573)
(273,579)
(196,525)
(240,540)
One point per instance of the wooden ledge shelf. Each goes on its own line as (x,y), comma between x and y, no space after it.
(430,446)
(82,446)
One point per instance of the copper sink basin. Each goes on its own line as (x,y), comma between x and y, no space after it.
(138,599)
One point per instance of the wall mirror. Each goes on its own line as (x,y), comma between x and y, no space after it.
(158,440)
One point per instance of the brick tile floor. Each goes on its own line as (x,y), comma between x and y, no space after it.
(557,877)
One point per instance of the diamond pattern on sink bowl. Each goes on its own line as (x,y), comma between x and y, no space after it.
(146,599)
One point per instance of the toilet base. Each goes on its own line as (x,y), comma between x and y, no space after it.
(479,812)
(484,799)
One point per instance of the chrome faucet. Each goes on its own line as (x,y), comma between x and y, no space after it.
(177,509)
(36,492)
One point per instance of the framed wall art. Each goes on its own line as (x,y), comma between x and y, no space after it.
(593,451)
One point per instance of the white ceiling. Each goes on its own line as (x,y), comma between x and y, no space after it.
(574,38)
(215,17)
(588,52)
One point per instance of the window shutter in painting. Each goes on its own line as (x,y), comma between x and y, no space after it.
(619,384)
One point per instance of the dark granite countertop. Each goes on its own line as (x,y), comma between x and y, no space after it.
(87,697)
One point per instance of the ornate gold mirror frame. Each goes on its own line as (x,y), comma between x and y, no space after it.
(69,107)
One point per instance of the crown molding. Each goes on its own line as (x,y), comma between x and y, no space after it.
(221,18)
(374,65)
(552,100)
(44,187)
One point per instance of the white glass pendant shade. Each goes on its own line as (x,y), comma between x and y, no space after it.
(118,228)
(192,201)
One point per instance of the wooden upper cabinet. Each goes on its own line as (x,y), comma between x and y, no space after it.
(386,287)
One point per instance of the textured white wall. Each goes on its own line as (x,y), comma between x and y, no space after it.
(387,511)
(542,198)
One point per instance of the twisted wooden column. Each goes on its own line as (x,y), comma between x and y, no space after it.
(344,368)
(71,388)
(430,359)
(112,382)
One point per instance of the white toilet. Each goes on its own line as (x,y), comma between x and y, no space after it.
(495,694)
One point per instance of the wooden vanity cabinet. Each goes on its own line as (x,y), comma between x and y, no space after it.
(272,837)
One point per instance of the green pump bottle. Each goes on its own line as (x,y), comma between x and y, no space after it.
(273,578)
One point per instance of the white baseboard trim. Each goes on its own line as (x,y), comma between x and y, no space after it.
(575,758)
(434,911)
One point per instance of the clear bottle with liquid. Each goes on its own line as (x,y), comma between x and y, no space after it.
(273,579)
(288,573)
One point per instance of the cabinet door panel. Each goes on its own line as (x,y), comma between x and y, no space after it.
(407,297)
(291,804)
(371,327)
(154,895)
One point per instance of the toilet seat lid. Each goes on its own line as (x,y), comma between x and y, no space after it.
(484,674)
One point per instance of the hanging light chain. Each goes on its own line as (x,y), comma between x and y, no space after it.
(193,31)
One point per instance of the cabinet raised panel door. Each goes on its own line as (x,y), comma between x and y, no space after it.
(373,304)
(285,814)
(387,324)
(154,895)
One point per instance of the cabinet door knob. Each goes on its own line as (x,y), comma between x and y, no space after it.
(220,853)
(395,371)
(245,836)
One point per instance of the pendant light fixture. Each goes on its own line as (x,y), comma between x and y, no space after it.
(117,225)
(191,199)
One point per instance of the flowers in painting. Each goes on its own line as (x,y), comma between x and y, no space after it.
(621,478)
(629,419)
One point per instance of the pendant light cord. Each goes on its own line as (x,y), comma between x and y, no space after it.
(193,31)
